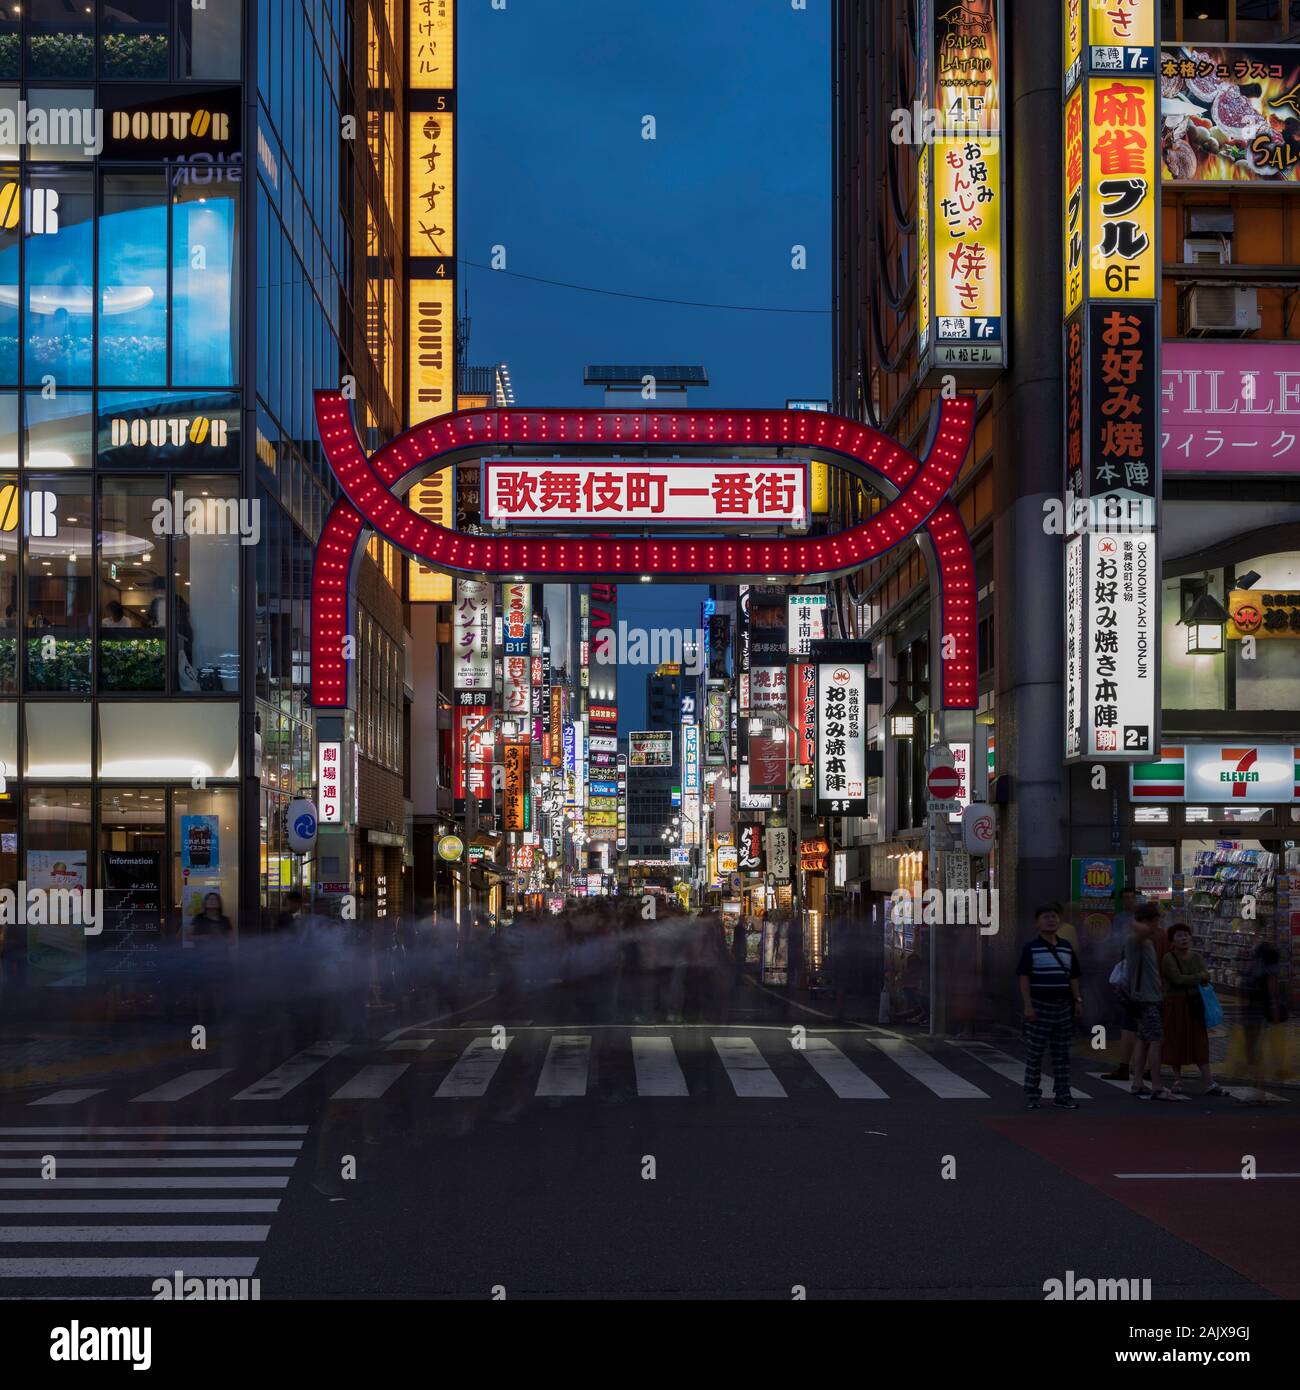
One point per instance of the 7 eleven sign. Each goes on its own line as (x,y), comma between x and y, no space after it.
(1220,772)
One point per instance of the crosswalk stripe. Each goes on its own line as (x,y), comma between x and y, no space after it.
(932,1074)
(1007,1066)
(472,1073)
(371,1082)
(749,1074)
(658,1072)
(134,1235)
(410,1044)
(83,1184)
(58,1131)
(73,1097)
(125,1267)
(564,1073)
(292,1073)
(181,1086)
(848,1081)
(148,1145)
(137,1206)
(154,1162)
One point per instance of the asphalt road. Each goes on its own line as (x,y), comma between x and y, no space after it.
(525,1153)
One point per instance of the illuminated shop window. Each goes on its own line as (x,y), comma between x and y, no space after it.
(133,280)
(59,279)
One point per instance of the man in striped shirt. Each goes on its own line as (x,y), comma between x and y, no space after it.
(1049,989)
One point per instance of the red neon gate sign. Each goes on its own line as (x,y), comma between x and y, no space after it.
(369,484)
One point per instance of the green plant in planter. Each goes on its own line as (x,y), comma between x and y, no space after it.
(135,55)
(11,49)
(67,669)
(61,55)
(137,663)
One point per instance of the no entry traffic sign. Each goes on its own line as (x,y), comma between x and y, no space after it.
(943,783)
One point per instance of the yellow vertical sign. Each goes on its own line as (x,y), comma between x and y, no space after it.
(924,250)
(431,158)
(1123,143)
(432,498)
(1121,23)
(967,229)
(1073,41)
(1074,229)
(432,44)
(431,329)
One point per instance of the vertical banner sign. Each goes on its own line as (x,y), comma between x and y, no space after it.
(803,711)
(749,842)
(743,637)
(691,758)
(777,844)
(960,189)
(767,761)
(329,782)
(769,650)
(516,619)
(431,203)
(472,655)
(1111,346)
(517,804)
(557,724)
(715,723)
(806,622)
(432,498)
(1113,605)
(841,738)
(472,744)
(621,841)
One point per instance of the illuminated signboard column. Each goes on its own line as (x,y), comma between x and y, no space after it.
(961,280)
(1111,284)
(431,209)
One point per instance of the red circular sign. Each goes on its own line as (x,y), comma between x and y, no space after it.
(943,783)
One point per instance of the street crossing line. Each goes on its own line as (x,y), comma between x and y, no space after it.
(60,1131)
(1007,1066)
(294,1072)
(73,1097)
(134,1235)
(848,1081)
(564,1073)
(410,1044)
(164,1246)
(125,1267)
(471,1075)
(932,1074)
(371,1082)
(181,1086)
(749,1074)
(658,1072)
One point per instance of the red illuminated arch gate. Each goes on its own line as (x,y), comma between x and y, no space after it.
(370,484)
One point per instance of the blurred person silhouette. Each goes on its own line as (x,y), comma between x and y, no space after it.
(1187,1042)
(1124,1014)
(1049,975)
(1143,994)
(1266,1011)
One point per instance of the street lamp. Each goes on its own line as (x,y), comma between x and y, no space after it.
(902,717)
(1204,622)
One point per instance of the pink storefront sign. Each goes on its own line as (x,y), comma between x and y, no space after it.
(1230,407)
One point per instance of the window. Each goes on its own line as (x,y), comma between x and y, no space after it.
(60,39)
(210,41)
(133,280)
(132,586)
(1205,21)
(207,563)
(57,739)
(10,231)
(60,276)
(205,230)
(56,855)
(58,568)
(59,430)
(133,38)
(205,850)
(178,739)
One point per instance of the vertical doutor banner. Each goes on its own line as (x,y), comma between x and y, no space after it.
(431,209)
(961,282)
(1110,277)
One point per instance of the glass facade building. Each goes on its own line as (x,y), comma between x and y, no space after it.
(196,230)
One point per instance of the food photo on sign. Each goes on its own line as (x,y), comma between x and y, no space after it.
(1230,114)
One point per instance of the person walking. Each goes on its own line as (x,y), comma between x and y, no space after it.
(1264,1009)
(1118,941)
(1187,1041)
(1143,995)
(1049,990)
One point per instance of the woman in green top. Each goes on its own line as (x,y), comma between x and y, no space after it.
(1186,1040)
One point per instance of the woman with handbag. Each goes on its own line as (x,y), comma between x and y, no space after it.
(1187,1040)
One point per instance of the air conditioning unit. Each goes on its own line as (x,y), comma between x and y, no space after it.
(1207,250)
(1222,310)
